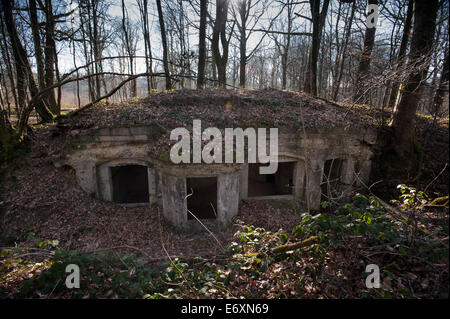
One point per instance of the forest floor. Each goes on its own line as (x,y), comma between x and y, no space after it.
(47,222)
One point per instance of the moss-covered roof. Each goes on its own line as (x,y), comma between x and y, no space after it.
(223,108)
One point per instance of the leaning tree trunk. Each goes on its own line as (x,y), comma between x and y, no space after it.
(23,71)
(425,14)
(9,68)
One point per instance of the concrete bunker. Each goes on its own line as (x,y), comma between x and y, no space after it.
(322,160)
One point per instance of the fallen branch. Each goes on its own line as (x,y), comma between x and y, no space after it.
(133,77)
(283,248)
(438,202)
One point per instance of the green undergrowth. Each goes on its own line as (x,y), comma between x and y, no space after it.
(324,256)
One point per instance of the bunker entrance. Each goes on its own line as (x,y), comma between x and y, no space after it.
(279,183)
(130,184)
(331,178)
(203,202)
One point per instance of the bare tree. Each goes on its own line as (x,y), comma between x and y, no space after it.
(318,20)
(342,53)
(24,75)
(442,89)
(164,45)
(143,11)
(128,46)
(401,57)
(246,17)
(220,35)
(202,44)
(364,63)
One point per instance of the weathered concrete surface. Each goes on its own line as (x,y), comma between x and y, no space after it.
(228,197)
(173,189)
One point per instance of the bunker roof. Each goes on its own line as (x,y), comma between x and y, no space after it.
(224,108)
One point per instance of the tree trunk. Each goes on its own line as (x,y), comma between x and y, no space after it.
(202,45)
(340,65)
(9,68)
(143,11)
(425,14)
(442,89)
(361,86)
(23,71)
(50,57)
(220,35)
(128,48)
(38,54)
(243,15)
(318,20)
(164,45)
(402,52)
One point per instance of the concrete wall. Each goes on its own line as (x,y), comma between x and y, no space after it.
(95,153)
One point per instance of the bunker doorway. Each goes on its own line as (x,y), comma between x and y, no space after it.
(130,184)
(279,183)
(203,202)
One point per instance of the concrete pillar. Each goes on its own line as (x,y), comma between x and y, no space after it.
(104,183)
(227,197)
(313,191)
(174,199)
(299,180)
(244,182)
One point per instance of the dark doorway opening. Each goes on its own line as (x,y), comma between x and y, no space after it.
(203,202)
(130,184)
(331,178)
(280,183)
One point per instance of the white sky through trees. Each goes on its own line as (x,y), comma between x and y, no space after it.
(300,25)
